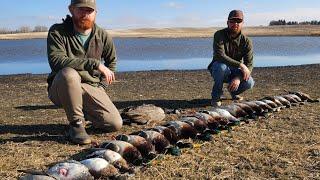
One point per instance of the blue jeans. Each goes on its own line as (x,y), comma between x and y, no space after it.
(222,73)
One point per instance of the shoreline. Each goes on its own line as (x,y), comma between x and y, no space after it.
(170,70)
(293,30)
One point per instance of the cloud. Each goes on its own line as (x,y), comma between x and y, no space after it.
(174,5)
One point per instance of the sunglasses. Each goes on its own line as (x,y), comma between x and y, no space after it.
(235,21)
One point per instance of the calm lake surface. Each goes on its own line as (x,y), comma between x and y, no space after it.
(139,54)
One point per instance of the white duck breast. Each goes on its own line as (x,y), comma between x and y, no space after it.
(70,170)
(99,167)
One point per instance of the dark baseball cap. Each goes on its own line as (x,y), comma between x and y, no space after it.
(235,14)
(84,3)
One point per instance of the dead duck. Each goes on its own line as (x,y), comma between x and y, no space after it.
(100,168)
(200,124)
(69,170)
(272,104)
(112,157)
(264,106)
(235,111)
(245,107)
(146,148)
(232,121)
(291,99)
(130,153)
(258,110)
(283,101)
(304,96)
(182,129)
(170,135)
(159,141)
(276,101)
(214,120)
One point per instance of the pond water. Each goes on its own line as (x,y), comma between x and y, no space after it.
(141,54)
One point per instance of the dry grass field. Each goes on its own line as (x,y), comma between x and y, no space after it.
(285,145)
(299,30)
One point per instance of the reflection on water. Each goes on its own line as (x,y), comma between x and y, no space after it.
(137,54)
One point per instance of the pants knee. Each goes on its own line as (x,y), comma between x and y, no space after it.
(219,71)
(109,122)
(249,84)
(70,75)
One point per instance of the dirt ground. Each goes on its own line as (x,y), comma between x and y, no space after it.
(285,145)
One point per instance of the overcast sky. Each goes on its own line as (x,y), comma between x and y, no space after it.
(125,14)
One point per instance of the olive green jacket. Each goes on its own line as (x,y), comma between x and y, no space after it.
(232,51)
(65,50)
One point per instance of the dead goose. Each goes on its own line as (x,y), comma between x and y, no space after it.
(130,153)
(146,149)
(182,129)
(69,170)
(100,168)
(112,157)
(143,114)
(168,133)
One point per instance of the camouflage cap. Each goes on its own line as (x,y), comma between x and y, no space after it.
(235,14)
(84,3)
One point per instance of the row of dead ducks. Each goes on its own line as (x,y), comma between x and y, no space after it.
(121,155)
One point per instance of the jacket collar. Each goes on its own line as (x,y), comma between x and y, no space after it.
(69,24)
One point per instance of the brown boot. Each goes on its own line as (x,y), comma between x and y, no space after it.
(77,133)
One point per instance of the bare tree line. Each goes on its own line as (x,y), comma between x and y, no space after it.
(284,22)
(24,29)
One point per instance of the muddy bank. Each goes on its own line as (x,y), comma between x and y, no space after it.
(285,145)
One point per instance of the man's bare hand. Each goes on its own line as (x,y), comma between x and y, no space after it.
(245,71)
(234,85)
(107,73)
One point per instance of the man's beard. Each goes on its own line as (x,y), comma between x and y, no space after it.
(83,23)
